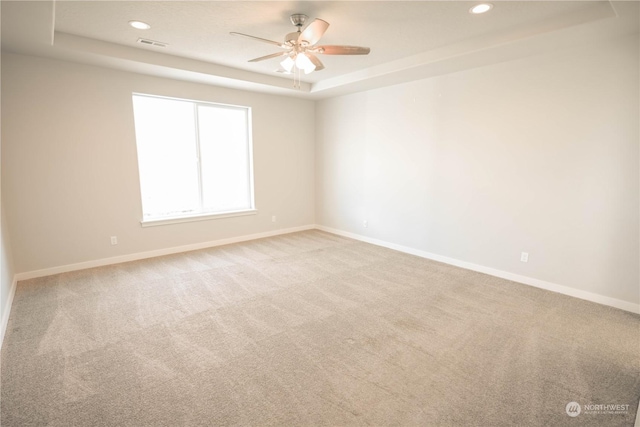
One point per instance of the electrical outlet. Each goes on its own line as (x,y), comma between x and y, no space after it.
(365,223)
(524,257)
(114,240)
(273,218)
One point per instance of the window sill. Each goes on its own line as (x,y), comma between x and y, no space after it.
(197,217)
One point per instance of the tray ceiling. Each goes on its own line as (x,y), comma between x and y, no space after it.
(405,37)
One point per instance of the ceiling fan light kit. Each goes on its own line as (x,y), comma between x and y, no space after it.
(300,48)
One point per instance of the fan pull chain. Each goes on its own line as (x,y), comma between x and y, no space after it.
(296,77)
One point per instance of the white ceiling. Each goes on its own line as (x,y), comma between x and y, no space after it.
(408,40)
(200,30)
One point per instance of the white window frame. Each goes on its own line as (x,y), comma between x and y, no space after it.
(203,215)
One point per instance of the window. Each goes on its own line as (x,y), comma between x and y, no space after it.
(194,158)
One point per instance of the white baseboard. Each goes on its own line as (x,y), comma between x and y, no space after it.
(577,293)
(159,252)
(6,310)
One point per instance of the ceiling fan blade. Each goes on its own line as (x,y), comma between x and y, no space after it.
(315,61)
(259,39)
(273,55)
(313,32)
(342,50)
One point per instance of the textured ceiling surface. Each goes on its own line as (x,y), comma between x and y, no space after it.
(393,30)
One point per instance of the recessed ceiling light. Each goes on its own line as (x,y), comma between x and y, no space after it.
(481,8)
(139,25)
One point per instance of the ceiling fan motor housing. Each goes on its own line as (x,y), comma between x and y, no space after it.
(292,38)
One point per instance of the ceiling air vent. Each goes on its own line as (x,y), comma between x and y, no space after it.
(152,43)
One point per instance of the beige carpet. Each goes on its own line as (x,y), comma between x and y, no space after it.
(309,329)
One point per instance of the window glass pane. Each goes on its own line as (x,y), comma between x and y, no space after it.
(224,156)
(167,156)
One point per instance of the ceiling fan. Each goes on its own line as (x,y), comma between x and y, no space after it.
(300,47)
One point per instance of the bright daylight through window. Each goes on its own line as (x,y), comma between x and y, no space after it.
(194,158)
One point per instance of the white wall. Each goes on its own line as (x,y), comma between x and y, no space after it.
(537,155)
(6,273)
(6,261)
(70,173)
